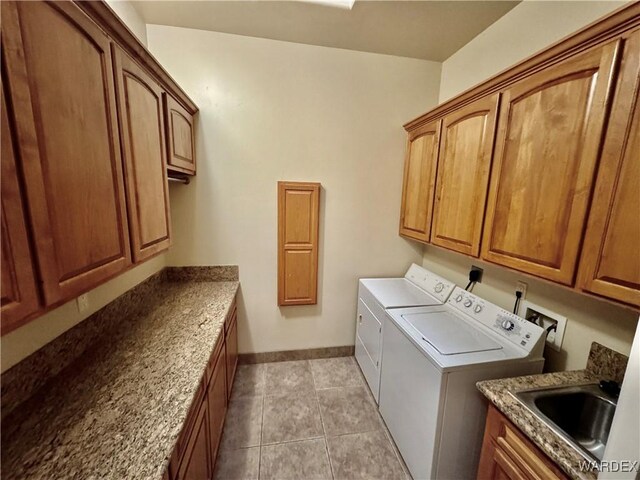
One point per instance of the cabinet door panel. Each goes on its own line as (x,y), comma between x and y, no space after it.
(195,464)
(419,179)
(61,83)
(298,225)
(180,137)
(217,398)
(610,264)
(19,288)
(141,120)
(546,152)
(466,144)
(232,353)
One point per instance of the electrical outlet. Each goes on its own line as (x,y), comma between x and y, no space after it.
(83,302)
(479,274)
(522,288)
(547,319)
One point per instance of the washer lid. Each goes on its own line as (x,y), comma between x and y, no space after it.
(449,334)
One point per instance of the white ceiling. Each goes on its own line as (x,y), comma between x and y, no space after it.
(430,30)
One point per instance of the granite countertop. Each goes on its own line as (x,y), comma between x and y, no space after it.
(500,393)
(116,412)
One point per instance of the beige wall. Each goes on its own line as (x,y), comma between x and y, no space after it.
(130,16)
(25,340)
(272,111)
(527,28)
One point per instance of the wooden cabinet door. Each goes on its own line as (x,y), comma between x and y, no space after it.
(180,137)
(419,179)
(298,225)
(232,353)
(196,464)
(60,78)
(217,398)
(508,454)
(547,146)
(142,126)
(466,145)
(610,263)
(19,288)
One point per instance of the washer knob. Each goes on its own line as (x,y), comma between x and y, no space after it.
(508,325)
(439,287)
(459,298)
(468,303)
(477,308)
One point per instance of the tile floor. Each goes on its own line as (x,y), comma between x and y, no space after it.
(312,419)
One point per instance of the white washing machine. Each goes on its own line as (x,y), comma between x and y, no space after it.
(433,357)
(419,287)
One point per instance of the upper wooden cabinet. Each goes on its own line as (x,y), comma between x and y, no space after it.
(181,155)
(419,180)
(59,71)
(142,127)
(547,147)
(18,283)
(466,145)
(610,263)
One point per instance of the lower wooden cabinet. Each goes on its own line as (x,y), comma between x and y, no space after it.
(194,455)
(196,463)
(232,350)
(217,403)
(508,454)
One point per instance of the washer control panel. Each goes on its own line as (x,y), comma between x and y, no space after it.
(518,330)
(429,281)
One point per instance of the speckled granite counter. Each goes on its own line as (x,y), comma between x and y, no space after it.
(603,363)
(117,410)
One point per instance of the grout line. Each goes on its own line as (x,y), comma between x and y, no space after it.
(324,430)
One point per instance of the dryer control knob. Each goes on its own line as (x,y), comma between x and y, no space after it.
(459,298)
(439,287)
(468,303)
(477,308)
(508,325)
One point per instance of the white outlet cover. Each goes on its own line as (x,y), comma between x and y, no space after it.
(555,338)
(83,303)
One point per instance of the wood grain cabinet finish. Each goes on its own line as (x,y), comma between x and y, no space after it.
(196,463)
(419,179)
(140,107)
(466,147)
(217,399)
(610,262)
(298,224)
(508,454)
(60,76)
(547,147)
(19,287)
(181,155)
(232,350)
